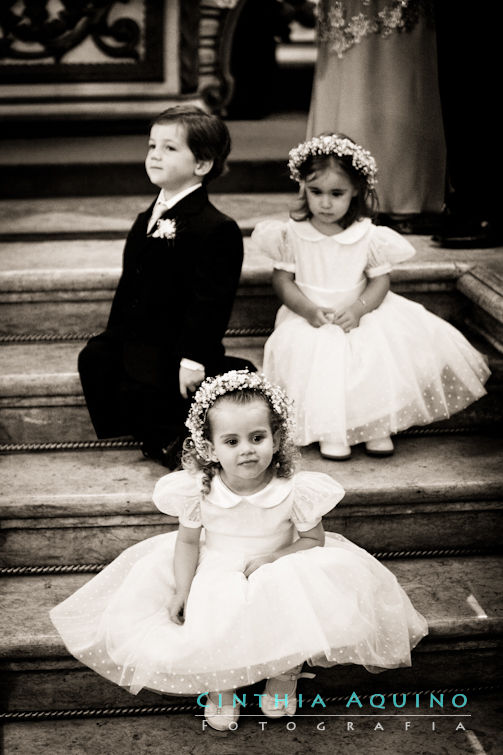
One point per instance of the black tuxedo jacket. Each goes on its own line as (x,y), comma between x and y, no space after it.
(175,297)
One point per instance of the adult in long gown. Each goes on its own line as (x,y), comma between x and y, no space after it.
(376,80)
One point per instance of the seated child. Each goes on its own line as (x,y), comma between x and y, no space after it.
(181,267)
(359,362)
(250,586)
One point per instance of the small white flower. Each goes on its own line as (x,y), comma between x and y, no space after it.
(165,229)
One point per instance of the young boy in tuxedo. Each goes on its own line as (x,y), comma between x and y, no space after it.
(181,267)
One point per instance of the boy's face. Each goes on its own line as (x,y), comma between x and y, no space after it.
(169,163)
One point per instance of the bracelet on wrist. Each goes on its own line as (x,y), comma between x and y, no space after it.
(362,301)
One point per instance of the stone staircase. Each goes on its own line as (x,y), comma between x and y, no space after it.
(70,504)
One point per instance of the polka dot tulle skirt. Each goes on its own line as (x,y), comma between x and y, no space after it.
(402,366)
(328,605)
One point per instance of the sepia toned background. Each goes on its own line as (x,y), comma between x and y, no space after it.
(79,84)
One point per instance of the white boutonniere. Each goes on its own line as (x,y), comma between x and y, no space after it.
(165,229)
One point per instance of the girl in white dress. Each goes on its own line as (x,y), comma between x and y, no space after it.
(359,362)
(250,587)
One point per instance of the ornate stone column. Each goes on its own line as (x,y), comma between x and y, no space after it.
(217,24)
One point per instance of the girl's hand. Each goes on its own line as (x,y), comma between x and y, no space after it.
(256,563)
(347,319)
(177,608)
(319,316)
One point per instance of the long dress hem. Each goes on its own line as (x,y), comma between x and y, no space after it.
(402,366)
(328,605)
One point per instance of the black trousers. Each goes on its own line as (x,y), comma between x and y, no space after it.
(468,47)
(121,405)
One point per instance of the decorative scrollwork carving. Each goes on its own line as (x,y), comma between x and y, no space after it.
(218,20)
(39,32)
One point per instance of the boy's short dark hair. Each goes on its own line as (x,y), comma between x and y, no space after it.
(208,137)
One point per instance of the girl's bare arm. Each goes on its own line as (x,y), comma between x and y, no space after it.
(349,317)
(185,565)
(309,539)
(373,295)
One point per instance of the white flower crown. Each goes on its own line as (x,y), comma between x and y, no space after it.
(235,380)
(337,146)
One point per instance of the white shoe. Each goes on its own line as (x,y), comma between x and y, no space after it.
(286,703)
(220,716)
(380,447)
(335,451)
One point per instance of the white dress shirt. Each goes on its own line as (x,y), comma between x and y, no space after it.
(162,204)
(167,204)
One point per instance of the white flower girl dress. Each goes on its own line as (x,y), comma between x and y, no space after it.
(401,366)
(329,605)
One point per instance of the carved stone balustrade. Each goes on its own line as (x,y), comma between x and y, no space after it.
(109,59)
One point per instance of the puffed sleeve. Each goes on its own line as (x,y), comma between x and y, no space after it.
(315,493)
(271,238)
(386,249)
(178,494)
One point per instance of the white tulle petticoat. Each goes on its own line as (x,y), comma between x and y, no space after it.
(402,366)
(329,605)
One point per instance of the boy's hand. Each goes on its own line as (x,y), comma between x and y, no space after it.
(347,319)
(177,608)
(255,563)
(319,316)
(189,380)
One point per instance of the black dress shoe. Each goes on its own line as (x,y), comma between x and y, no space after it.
(418,223)
(169,456)
(481,235)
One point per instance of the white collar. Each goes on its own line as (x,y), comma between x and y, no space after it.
(272,495)
(304,229)
(169,203)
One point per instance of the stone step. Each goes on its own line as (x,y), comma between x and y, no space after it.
(458,597)
(112,216)
(63,218)
(114,164)
(41,398)
(438,492)
(60,260)
(329,728)
(483,286)
(56,286)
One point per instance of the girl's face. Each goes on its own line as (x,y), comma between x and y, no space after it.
(243,442)
(329,193)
